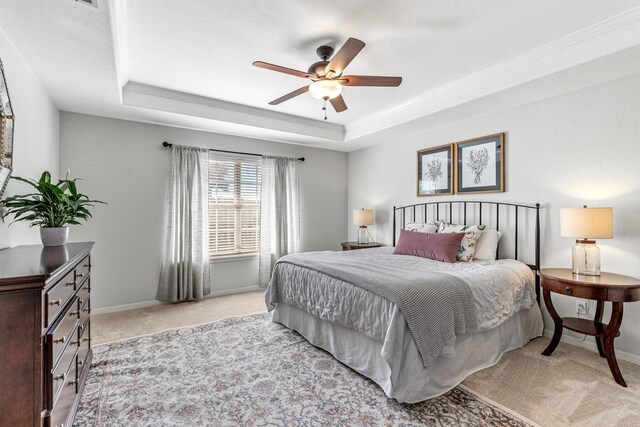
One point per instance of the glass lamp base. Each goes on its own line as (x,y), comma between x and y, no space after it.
(363,235)
(586,258)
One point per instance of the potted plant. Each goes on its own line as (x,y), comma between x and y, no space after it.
(51,207)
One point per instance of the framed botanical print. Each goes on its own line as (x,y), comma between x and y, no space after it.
(6,133)
(480,165)
(435,171)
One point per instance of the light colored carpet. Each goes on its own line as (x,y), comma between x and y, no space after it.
(143,321)
(573,387)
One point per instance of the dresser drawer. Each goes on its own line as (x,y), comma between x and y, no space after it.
(62,372)
(63,331)
(57,297)
(85,344)
(82,270)
(66,398)
(84,293)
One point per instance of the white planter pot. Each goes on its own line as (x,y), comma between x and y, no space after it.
(55,236)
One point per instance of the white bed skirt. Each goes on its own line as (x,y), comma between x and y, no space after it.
(405,378)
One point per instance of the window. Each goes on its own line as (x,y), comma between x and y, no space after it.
(234,205)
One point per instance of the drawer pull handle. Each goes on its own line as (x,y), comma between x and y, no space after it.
(59,377)
(81,301)
(86,339)
(73,313)
(87,265)
(568,289)
(59,340)
(73,382)
(55,302)
(80,274)
(80,362)
(86,310)
(70,283)
(76,342)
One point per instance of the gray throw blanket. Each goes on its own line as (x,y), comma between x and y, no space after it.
(438,307)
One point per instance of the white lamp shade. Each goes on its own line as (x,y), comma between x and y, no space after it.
(363,217)
(586,223)
(322,89)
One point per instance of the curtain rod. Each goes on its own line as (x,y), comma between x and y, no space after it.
(169,145)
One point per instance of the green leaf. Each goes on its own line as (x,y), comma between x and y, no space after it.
(52,205)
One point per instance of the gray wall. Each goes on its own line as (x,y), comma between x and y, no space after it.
(35,138)
(575,149)
(123,163)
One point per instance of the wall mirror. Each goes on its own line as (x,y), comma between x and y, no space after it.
(6,132)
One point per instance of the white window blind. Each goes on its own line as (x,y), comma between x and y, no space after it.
(234,204)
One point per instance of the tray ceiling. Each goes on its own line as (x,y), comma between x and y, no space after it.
(86,56)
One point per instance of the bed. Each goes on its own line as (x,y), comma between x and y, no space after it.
(420,345)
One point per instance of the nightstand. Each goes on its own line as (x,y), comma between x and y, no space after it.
(350,246)
(613,288)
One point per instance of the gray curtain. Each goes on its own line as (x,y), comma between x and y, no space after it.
(279,212)
(185,260)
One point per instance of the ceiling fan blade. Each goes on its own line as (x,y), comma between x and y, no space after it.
(370,81)
(290,95)
(344,56)
(280,69)
(338,104)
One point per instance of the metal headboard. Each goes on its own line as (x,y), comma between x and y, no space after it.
(445,210)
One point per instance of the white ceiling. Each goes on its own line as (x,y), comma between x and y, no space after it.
(84,56)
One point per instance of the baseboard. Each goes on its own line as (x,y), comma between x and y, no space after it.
(145,304)
(125,307)
(235,291)
(629,357)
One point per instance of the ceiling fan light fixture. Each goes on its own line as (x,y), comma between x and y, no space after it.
(325,89)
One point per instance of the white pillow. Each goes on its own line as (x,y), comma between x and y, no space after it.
(422,227)
(487,245)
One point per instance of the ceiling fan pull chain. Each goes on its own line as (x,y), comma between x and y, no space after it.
(324,107)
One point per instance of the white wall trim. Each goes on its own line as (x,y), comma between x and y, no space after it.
(157,98)
(152,303)
(120,36)
(604,38)
(592,347)
(245,289)
(125,307)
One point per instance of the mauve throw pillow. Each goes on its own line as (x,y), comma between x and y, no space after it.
(441,247)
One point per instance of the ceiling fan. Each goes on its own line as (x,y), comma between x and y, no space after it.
(326,76)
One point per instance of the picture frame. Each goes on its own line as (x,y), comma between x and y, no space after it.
(7,121)
(480,165)
(435,171)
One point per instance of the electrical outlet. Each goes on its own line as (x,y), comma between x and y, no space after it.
(582,307)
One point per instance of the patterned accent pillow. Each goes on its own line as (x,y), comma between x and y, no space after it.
(468,245)
(469,241)
(456,228)
(422,227)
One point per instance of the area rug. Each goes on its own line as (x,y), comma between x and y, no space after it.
(253,372)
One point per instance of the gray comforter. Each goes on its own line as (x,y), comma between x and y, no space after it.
(439,308)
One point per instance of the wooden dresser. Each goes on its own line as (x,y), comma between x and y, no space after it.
(45,333)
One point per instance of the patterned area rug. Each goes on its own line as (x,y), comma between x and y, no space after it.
(251,371)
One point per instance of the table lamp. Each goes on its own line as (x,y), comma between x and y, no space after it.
(586,224)
(362,218)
